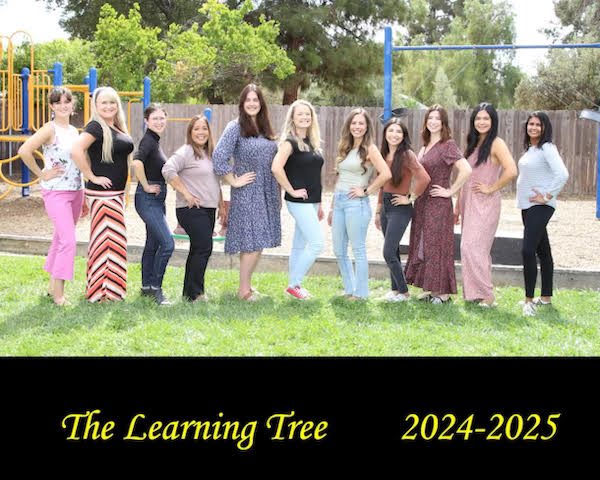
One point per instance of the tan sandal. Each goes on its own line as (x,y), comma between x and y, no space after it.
(63,302)
(249,297)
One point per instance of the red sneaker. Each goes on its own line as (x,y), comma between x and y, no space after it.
(296,292)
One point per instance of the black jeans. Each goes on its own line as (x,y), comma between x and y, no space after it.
(199,224)
(394,221)
(535,241)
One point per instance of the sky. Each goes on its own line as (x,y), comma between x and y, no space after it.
(531,15)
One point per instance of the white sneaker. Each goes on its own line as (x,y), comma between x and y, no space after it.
(529,309)
(306,292)
(401,298)
(389,297)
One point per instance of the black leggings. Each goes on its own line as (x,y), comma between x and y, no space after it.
(198,223)
(535,241)
(394,220)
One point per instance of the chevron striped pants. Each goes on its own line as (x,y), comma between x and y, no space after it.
(107,248)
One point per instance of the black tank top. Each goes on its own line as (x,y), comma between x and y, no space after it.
(303,170)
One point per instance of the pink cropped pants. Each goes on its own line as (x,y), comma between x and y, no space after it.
(64,209)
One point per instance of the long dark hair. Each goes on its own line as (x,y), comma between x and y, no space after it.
(402,152)
(445,134)
(473,136)
(263,123)
(546,129)
(346,143)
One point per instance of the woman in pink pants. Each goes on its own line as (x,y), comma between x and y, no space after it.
(62,188)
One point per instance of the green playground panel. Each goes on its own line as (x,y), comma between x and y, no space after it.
(185,237)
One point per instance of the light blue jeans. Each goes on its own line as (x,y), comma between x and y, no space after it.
(350,221)
(308,240)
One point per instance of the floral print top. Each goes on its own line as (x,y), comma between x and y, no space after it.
(59,153)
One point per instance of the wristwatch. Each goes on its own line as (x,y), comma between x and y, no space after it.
(365,191)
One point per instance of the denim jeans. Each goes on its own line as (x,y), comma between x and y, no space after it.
(394,221)
(350,222)
(308,240)
(159,242)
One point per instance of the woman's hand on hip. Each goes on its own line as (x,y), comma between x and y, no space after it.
(300,193)
(152,188)
(356,192)
(103,182)
(243,180)
(56,171)
(538,198)
(438,191)
(192,201)
(399,199)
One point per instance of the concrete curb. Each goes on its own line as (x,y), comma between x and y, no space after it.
(502,275)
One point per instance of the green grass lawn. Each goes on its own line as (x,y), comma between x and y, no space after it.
(328,325)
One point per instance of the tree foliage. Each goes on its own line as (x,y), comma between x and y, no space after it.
(329,41)
(76,56)
(80,17)
(216,60)
(568,79)
(126,51)
(473,76)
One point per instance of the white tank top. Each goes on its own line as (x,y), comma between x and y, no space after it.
(351,172)
(59,153)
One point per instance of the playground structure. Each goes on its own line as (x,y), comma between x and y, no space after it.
(24,104)
(389,48)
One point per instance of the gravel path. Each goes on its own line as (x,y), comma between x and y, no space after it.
(574,231)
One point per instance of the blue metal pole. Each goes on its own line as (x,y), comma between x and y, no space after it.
(86,80)
(58,74)
(387,75)
(598,178)
(495,47)
(208,114)
(25,127)
(146,99)
(93,80)
(147,84)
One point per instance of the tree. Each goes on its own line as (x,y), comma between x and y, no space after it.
(443,93)
(187,67)
(76,56)
(80,17)
(431,19)
(570,79)
(329,41)
(126,51)
(243,51)
(475,76)
(216,62)
(582,15)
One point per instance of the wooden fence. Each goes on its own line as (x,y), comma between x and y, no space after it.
(577,140)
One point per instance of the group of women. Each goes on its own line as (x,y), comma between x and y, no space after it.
(257,164)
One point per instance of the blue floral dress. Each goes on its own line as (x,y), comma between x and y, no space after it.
(254,213)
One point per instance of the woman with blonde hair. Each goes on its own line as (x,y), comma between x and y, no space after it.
(358,157)
(61,185)
(102,153)
(297,168)
(190,172)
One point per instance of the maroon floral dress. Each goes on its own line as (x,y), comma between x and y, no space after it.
(430,264)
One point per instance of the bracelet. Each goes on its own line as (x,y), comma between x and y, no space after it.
(365,191)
